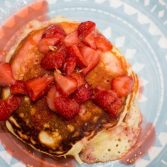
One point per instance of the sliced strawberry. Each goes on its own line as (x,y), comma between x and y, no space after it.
(104,98)
(45,43)
(90,39)
(122,85)
(37,87)
(7,107)
(71,39)
(83,93)
(108,101)
(115,108)
(103,43)
(66,107)
(74,51)
(53,30)
(52,94)
(18,88)
(92,58)
(66,84)
(6,76)
(79,78)
(85,28)
(53,60)
(69,65)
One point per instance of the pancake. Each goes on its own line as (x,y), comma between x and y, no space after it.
(92,136)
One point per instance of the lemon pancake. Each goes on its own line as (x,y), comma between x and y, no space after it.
(86,127)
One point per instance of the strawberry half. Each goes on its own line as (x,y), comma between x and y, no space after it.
(85,28)
(71,39)
(66,84)
(37,87)
(18,88)
(92,58)
(6,76)
(74,51)
(83,93)
(52,94)
(66,107)
(103,43)
(69,65)
(53,60)
(8,106)
(122,85)
(53,30)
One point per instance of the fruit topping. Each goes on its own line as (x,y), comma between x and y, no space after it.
(67,85)
(18,88)
(6,76)
(71,39)
(85,28)
(74,51)
(79,78)
(66,107)
(122,85)
(8,106)
(37,87)
(92,58)
(108,100)
(53,60)
(53,30)
(52,94)
(69,65)
(83,93)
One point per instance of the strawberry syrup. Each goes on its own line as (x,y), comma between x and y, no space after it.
(9,31)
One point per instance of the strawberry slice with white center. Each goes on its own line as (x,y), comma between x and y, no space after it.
(52,94)
(74,51)
(66,84)
(103,43)
(37,87)
(92,58)
(122,85)
(6,76)
(8,106)
(66,107)
(71,39)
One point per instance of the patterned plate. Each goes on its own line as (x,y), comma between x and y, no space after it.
(138,28)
